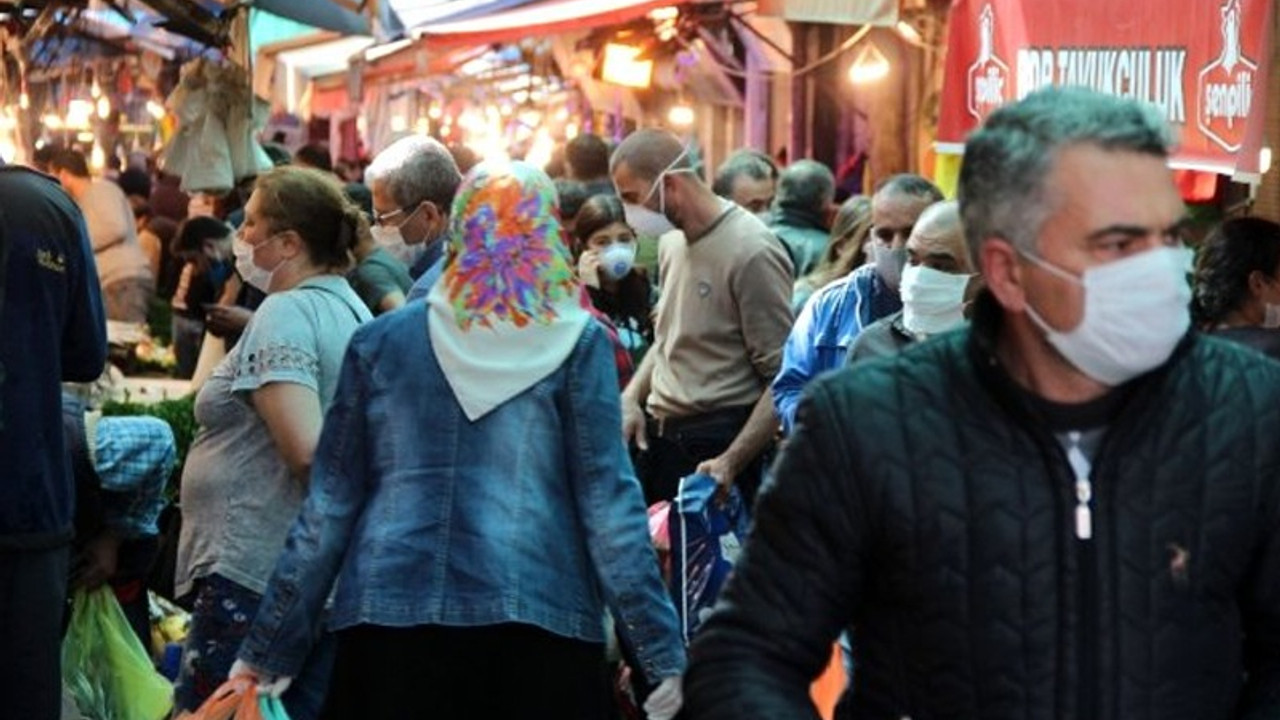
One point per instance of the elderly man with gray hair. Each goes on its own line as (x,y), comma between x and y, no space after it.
(413,182)
(1069,510)
(748,178)
(806,190)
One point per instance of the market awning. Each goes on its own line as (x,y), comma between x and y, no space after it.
(534,19)
(1204,63)
(840,12)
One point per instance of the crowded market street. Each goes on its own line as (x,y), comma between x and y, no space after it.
(639,359)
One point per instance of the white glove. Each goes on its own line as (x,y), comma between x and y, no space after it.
(666,699)
(267,684)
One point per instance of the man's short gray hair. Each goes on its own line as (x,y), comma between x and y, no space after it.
(806,185)
(416,169)
(751,163)
(1002,179)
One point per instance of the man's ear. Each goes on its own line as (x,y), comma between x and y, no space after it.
(1002,272)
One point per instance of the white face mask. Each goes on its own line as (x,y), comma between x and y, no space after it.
(1135,313)
(392,240)
(932,300)
(648,222)
(617,260)
(645,221)
(1272,319)
(889,263)
(249,270)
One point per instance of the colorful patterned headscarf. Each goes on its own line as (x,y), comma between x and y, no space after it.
(508,308)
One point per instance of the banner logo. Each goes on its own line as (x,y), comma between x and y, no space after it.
(989,85)
(1225,87)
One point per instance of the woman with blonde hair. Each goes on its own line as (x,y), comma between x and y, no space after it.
(845,251)
(260,414)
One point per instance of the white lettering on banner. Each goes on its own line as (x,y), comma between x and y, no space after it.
(1230,102)
(1148,74)
(1225,86)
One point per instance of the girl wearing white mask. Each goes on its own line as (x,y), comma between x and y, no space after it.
(1237,284)
(260,414)
(605,246)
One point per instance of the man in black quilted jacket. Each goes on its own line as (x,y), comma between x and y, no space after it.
(1070,509)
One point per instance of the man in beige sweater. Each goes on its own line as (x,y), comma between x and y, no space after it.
(123,270)
(722,318)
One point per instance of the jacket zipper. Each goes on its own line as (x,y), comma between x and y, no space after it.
(1087,596)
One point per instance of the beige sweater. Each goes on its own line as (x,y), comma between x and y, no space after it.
(722,319)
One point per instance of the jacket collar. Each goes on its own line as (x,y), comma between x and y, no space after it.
(985,326)
(798,218)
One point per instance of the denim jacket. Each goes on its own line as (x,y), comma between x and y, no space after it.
(531,514)
(828,325)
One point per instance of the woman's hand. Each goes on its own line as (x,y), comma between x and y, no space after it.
(589,268)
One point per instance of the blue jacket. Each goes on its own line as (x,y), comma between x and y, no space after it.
(531,514)
(52,329)
(827,326)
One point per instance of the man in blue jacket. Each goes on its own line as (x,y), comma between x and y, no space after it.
(835,315)
(52,328)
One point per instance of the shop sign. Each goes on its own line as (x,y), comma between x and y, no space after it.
(1202,63)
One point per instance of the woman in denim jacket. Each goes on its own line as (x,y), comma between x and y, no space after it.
(472,496)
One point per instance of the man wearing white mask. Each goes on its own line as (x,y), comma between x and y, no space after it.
(1069,510)
(936,283)
(413,182)
(721,319)
(836,314)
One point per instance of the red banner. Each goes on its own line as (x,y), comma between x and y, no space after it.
(1203,63)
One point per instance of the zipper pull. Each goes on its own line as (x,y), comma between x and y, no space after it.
(1084,514)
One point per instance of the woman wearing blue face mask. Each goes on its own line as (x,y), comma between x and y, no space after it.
(605,247)
(1237,288)
(260,413)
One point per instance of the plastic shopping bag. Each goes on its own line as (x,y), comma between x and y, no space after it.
(105,667)
(238,699)
(706,535)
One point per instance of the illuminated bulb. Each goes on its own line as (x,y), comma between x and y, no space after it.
(562,114)
(52,121)
(680,115)
(95,91)
(435,112)
(24,101)
(86,137)
(155,109)
(870,66)
(399,123)
(1264,161)
(98,158)
(571,131)
(104,108)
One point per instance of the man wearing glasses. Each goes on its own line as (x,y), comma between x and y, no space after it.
(413,182)
(836,314)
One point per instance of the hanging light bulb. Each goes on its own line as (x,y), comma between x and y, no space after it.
(104,108)
(24,101)
(871,65)
(155,109)
(680,115)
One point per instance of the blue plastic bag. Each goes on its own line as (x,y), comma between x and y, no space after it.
(706,535)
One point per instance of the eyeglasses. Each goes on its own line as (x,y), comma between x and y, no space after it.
(384,218)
